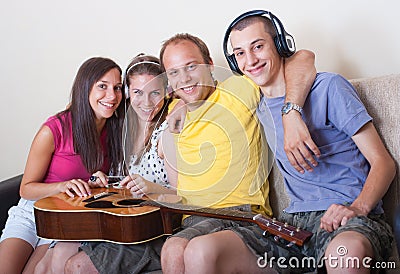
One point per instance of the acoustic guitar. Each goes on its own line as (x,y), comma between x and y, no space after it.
(113,215)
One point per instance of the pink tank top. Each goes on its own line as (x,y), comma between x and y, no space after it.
(65,163)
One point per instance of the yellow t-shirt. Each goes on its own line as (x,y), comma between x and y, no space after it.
(221,152)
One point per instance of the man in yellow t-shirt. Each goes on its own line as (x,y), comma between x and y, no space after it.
(220,152)
(220,147)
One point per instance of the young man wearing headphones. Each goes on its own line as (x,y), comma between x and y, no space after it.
(340,201)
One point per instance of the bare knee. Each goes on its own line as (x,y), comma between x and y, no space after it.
(173,247)
(79,263)
(73,265)
(172,255)
(199,252)
(44,265)
(219,252)
(350,249)
(350,243)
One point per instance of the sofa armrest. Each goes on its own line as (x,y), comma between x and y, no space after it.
(9,196)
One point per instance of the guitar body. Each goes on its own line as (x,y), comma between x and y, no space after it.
(60,217)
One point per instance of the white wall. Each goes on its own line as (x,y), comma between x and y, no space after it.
(43,42)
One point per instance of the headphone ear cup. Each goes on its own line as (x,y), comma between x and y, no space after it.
(278,46)
(282,46)
(233,64)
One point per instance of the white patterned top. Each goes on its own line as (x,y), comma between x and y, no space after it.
(151,166)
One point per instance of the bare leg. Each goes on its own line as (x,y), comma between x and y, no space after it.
(80,263)
(36,256)
(44,265)
(350,248)
(172,256)
(221,252)
(55,258)
(14,253)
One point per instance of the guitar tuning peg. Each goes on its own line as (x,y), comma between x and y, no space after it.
(285,224)
(297,229)
(274,220)
(290,244)
(266,233)
(276,238)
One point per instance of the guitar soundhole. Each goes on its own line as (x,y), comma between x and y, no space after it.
(100,204)
(129,202)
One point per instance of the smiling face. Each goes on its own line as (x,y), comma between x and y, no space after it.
(147,95)
(256,54)
(106,95)
(187,73)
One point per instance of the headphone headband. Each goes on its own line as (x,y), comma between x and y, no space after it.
(284,42)
(140,63)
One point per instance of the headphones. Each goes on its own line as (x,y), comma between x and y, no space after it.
(126,88)
(284,42)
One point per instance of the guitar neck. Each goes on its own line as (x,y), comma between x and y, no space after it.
(285,231)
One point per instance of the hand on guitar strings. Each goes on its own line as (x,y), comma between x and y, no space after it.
(76,187)
(98,179)
(137,185)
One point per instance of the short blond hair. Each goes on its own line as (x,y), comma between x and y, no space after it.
(186,37)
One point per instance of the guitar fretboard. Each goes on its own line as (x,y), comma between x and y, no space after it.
(271,225)
(190,209)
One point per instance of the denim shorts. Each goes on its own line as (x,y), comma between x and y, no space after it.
(21,224)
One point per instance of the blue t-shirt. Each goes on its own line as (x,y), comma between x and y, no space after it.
(333,113)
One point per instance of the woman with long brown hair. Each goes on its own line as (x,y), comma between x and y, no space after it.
(68,148)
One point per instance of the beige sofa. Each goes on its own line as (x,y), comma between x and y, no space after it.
(381,96)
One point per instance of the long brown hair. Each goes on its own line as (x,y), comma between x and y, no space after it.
(144,64)
(86,139)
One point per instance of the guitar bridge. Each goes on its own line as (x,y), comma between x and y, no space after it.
(99,196)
